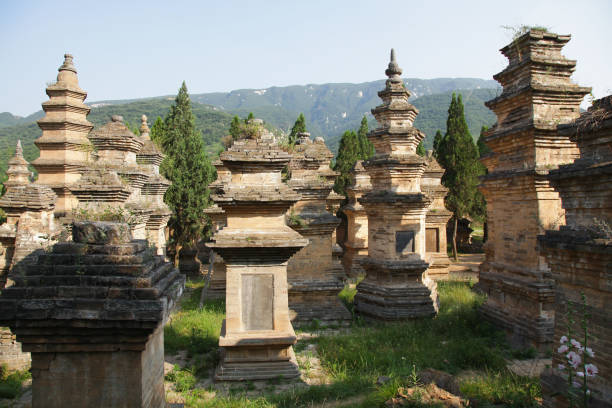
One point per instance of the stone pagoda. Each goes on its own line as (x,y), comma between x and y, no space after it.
(537,96)
(315,279)
(396,285)
(356,241)
(152,191)
(64,146)
(436,219)
(91,313)
(28,230)
(256,337)
(218,218)
(579,255)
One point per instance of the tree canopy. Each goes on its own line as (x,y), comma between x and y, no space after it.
(353,147)
(187,166)
(298,127)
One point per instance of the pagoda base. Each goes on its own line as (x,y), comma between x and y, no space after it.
(257,356)
(519,304)
(439,267)
(396,290)
(317,300)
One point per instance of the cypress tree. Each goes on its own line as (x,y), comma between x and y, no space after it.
(188,168)
(482,147)
(348,154)
(366,148)
(235,127)
(436,143)
(298,127)
(157,130)
(458,154)
(420,150)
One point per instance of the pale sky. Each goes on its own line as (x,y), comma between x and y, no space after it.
(133,49)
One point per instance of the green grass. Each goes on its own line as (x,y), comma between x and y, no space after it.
(11,383)
(455,341)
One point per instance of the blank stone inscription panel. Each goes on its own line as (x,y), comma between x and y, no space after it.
(257,301)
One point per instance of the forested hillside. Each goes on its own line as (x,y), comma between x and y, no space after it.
(330,109)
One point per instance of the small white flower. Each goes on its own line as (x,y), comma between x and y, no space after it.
(590,352)
(576,384)
(561,367)
(590,370)
(580,374)
(563,339)
(562,349)
(573,359)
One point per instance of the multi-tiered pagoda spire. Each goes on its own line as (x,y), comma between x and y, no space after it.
(64,147)
(397,285)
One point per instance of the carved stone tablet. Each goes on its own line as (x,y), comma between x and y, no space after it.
(257,302)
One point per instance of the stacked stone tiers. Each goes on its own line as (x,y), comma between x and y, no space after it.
(257,336)
(396,285)
(579,255)
(91,312)
(356,242)
(315,277)
(436,219)
(537,96)
(64,146)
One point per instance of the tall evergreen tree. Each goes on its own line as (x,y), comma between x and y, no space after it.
(235,127)
(482,146)
(188,168)
(249,117)
(436,143)
(420,150)
(298,127)
(157,130)
(458,154)
(348,154)
(366,148)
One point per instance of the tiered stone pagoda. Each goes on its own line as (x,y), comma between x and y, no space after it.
(256,336)
(537,96)
(356,241)
(91,313)
(218,218)
(579,255)
(396,285)
(28,230)
(315,278)
(64,146)
(150,158)
(436,219)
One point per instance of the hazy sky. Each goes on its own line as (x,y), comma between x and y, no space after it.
(131,49)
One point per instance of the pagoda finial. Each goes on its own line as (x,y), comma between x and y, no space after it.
(68,65)
(393,71)
(144,127)
(19,149)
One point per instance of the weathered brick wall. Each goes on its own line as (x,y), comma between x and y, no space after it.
(10,351)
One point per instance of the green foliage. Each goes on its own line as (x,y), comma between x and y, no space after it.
(11,384)
(298,127)
(235,128)
(366,147)
(107,213)
(157,130)
(187,166)
(436,142)
(420,150)
(482,146)
(353,147)
(502,389)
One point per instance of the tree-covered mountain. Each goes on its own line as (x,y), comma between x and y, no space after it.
(330,109)
(212,122)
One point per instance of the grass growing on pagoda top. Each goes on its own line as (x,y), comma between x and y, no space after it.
(457,341)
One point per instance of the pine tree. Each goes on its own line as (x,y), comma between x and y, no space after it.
(420,150)
(436,143)
(235,128)
(366,148)
(188,168)
(348,154)
(458,154)
(482,146)
(298,127)
(157,130)
(249,117)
